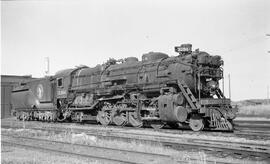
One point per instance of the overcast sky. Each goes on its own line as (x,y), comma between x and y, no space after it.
(85,32)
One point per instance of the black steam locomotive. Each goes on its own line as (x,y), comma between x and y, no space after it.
(157,91)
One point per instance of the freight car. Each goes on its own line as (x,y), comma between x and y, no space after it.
(158,90)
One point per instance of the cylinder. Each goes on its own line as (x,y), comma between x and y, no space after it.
(180,113)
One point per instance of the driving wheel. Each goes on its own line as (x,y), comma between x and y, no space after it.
(134,120)
(104,117)
(120,119)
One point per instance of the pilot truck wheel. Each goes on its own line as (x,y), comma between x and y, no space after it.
(196,123)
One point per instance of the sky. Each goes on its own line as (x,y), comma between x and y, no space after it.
(88,32)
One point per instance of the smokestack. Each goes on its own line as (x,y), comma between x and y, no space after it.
(268,94)
(229,77)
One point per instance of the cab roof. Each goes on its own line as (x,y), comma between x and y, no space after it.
(63,73)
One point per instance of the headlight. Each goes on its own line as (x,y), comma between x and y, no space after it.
(212,84)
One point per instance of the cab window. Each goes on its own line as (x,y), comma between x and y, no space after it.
(60,82)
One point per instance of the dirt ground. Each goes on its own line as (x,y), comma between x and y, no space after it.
(11,154)
(19,155)
(16,155)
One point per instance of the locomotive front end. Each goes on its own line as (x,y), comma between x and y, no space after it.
(212,109)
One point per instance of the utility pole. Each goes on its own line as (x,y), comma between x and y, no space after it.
(223,91)
(268,100)
(47,66)
(229,77)
(267,92)
(268,35)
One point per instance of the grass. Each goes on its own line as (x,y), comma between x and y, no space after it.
(85,139)
(255,110)
(82,138)
(16,155)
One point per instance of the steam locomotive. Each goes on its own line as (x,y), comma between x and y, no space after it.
(158,90)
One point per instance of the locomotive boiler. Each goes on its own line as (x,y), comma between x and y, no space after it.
(158,90)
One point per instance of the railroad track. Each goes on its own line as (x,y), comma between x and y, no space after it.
(87,151)
(220,148)
(106,154)
(265,122)
(251,124)
(227,148)
(251,130)
(252,127)
(245,129)
(239,132)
